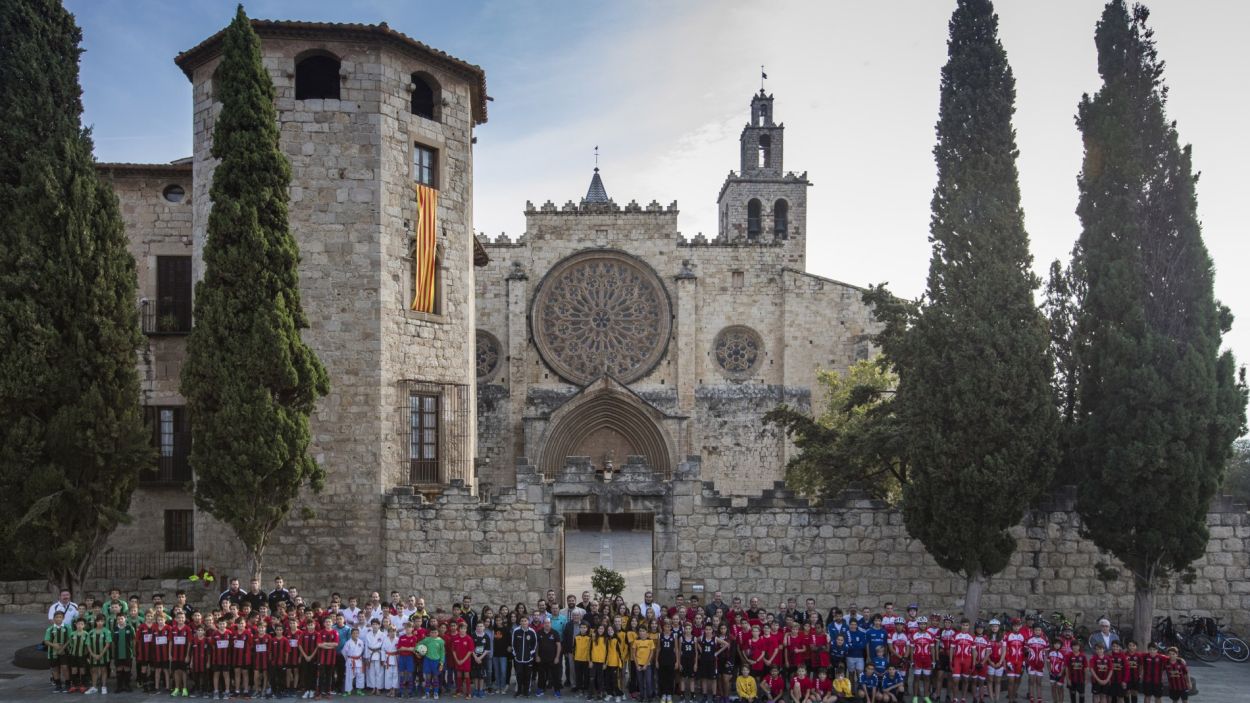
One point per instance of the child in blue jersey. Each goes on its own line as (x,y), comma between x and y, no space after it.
(877,637)
(869,683)
(880,659)
(893,685)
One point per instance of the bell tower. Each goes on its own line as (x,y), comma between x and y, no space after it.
(761,202)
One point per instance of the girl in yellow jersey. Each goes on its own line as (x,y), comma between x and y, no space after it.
(581,658)
(612,665)
(598,656)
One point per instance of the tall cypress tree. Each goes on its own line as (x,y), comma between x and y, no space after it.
(72,439)
(974,396)
(249,380)
(1159,406)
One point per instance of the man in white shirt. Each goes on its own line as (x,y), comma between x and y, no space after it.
(649,605)
(64,605)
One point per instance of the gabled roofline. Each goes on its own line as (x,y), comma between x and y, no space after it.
(210,48)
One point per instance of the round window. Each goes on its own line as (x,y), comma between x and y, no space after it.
(174,193)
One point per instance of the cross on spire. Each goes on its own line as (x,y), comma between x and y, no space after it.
(596,157)
(763,77)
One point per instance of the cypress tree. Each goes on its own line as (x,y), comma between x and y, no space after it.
(72,437)
(1159,406)
(249,380)
(974,397)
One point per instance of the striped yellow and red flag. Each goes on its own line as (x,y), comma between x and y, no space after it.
(427,223)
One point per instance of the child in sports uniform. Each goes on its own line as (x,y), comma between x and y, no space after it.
(893,685)
(158,661)
(327,656)
(1115,687)
(772,686)
(99,650)
(1035,647)
(220,643)
(1075,666)
(800,686)
(308,651)
(822,688)
(373,641)
(54,640)
(262,660)
(407,657)
(842,685)
(1099,673)
(1152,663)
(432,663)
(353,664)
(200,661)
(1014,658)
(483,643)
(1132,671)
(1177,673)
(179,640)
(869,683)
(1055,667)
(962,651)
(644,664)
(123,636)
(240,656)
(390,653)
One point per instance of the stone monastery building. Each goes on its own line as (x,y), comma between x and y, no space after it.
(579,369)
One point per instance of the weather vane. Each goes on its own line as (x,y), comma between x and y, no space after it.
(596,157)
(763,76)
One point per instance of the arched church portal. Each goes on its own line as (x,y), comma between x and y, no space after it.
(606,423)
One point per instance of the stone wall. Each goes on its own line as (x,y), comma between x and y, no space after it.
(36,596)
(508,547)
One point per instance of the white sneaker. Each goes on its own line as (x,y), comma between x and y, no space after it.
(104,689)
(91,690)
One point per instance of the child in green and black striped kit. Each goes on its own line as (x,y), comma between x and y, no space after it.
(55,638)
(77,652)
(100,652)
(123,652)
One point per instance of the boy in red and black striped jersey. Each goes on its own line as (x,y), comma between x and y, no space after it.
(327,657)
(1152,663)
(285,650)
(1132,671)
(1177,673)
(262,657)
(143,651)
(308,641)
(241,655)
(1076,664)
(220,643)
(179,643)
(200,660)
(159,655)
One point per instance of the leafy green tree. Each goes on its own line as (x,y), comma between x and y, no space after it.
(854,441)
(249,380)
(1065,291)
(1159,405)
(974,397)
(606,582)
(72,438)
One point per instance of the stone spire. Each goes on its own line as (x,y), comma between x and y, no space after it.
(596,193)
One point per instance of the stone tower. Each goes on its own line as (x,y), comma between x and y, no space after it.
(367,114)
(762,203)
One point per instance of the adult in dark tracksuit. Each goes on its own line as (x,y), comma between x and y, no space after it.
(524,648)
(549,659)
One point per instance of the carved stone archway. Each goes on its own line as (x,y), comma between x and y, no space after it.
(607,417)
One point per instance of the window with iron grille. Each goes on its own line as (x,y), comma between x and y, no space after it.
(436,428)
(172,440)
(171,312)
(425,165)
(179,531)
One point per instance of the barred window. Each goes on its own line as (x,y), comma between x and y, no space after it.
(423,438)
(179,531)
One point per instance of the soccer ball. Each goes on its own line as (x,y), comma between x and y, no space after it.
(422,649)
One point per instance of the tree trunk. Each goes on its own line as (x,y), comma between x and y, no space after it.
(1143,605)
(254,559)
(972,599)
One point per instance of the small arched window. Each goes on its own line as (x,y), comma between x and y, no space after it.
(766,150)
(753,219)
(424,95)
(781,218)
(317,77)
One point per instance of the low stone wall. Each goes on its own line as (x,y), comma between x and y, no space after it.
(36,596)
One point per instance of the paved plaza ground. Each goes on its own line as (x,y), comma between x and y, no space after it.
(1223,682)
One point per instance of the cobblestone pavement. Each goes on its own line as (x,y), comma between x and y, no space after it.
(1223,682)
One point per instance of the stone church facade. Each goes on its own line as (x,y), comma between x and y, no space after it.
(603,333)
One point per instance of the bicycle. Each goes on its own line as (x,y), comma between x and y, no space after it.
(1226,642)
(1189,640)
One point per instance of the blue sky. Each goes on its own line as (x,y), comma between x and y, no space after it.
(663,88)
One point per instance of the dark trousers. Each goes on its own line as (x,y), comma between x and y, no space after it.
(548,675)
(523,678)
(668,674)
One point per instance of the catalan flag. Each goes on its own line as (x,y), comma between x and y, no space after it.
(427,222)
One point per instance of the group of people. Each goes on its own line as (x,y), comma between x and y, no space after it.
(258,643)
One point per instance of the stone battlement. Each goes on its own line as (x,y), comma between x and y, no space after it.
(609,207)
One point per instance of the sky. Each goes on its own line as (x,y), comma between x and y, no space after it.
(663,89)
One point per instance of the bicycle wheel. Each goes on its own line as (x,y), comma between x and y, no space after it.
(1235,649)
(1204,647)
